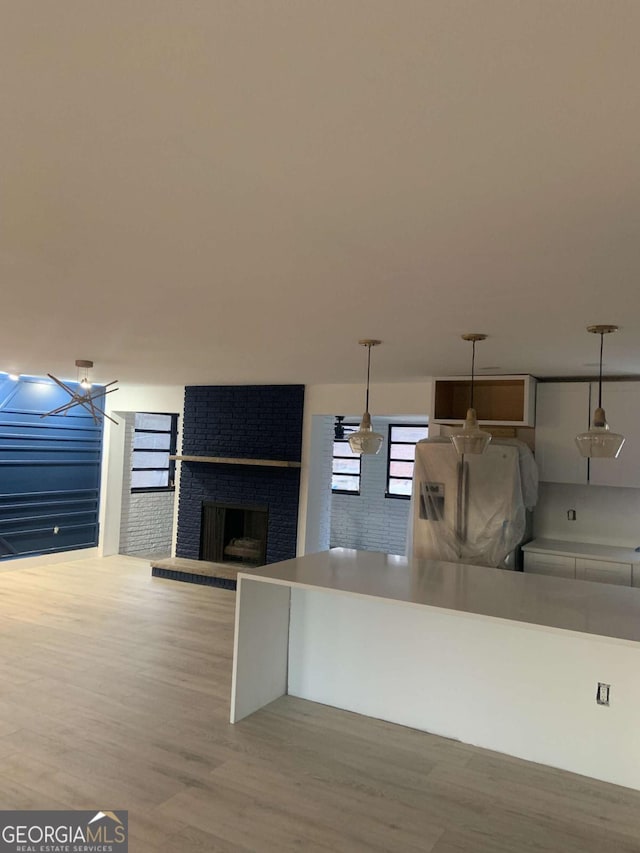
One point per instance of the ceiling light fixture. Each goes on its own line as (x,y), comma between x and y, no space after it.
(599,442)
(366,442)
(338,428)
(471,439)
(84,373)
(86,398)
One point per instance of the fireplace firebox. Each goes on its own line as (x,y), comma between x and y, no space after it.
(234,534)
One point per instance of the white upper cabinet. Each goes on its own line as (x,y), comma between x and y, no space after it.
(562,411)
(621,402)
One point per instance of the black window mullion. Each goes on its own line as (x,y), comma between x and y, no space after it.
(338,455)
(172,432)
(391,442)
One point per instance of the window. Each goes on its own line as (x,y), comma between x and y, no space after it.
(346,466)
(401,457)
(154,440)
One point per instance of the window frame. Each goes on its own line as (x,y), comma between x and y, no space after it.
(390,442)
(173,445)
(345,440)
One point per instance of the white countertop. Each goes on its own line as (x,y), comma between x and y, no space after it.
(583,606)
(583,549)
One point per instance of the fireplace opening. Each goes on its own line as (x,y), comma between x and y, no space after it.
(233,534)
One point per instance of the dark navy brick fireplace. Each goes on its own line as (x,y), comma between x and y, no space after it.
(249,422)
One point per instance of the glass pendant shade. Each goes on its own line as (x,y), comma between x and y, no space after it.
(365,442)
(599,442)
(471,439)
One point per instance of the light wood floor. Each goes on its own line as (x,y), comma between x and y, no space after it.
(114,693)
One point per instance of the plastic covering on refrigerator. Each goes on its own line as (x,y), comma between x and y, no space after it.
(471,509)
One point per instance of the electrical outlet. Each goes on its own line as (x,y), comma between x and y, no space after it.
(571,515)
(602,693)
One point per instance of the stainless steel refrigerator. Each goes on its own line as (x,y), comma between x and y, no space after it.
(472,509)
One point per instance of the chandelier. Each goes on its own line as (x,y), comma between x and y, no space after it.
(84,396)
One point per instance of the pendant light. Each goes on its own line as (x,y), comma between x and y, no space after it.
(366,442)
(599,442)
(471,439)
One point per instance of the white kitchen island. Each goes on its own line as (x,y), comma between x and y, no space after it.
(500,659)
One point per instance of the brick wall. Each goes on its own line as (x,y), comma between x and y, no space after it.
(369,521)
(249,421)
(146,522)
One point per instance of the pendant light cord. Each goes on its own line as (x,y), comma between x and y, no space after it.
(366,405)
(473,370)
(600,376)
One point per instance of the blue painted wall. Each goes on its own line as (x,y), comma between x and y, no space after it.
(49,470)
(250,421)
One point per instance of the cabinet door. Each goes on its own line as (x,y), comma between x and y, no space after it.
(562,411)
(603,571)
(550,564)
(621,401)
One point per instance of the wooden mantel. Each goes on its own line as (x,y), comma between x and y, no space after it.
(223,460)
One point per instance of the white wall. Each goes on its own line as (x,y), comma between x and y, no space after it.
(130,398)
(146,524)
(318,530)
(604,514)
(370,521)
(607,515)
(406,398)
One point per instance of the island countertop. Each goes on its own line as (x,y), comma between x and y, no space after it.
(581,606)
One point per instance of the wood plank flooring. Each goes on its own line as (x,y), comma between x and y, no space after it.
(114,693)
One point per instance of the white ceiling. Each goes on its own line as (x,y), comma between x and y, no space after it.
(237,190)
